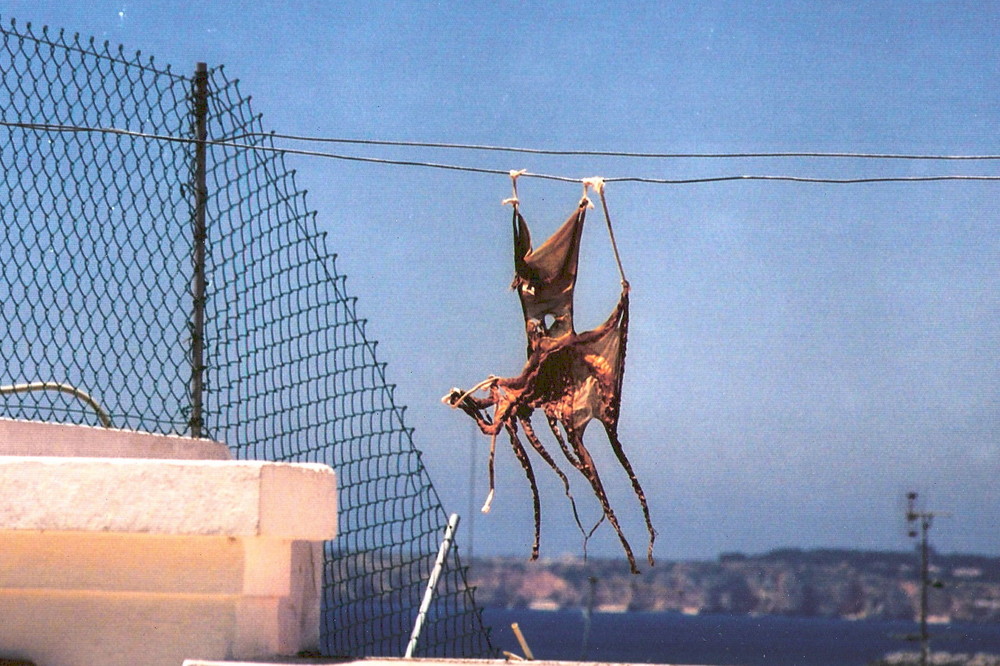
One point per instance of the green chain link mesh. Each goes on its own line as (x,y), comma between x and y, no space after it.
(97,294)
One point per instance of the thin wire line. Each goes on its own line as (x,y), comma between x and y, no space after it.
(498,172)
(612,153)
(272,149)
(797,179)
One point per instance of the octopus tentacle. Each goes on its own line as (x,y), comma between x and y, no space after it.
(522,457)
(540,449)
(590,472)
(616,446)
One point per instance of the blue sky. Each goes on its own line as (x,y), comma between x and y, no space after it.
(800,356)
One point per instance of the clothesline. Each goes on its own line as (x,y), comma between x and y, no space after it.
(612,153)
(48,127)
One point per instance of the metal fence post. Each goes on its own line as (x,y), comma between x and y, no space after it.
(199,236)
(425,604)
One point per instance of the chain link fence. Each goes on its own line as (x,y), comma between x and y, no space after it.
(101,293)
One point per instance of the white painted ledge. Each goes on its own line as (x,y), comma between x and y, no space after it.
(383,661)
(168,497)
(37,438)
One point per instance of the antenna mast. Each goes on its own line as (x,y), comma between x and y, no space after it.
(925,519)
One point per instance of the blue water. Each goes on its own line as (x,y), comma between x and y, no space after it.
(672,638)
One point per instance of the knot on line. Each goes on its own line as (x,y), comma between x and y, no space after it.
(596,182)
(514,175)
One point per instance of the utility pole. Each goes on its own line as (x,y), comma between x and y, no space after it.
(925,519)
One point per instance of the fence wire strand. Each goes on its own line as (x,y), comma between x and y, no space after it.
(96,293)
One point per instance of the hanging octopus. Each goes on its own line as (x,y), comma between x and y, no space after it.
(571,377)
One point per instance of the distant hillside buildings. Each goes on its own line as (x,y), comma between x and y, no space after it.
(820,583)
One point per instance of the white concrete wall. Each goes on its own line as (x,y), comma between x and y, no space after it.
(149,561)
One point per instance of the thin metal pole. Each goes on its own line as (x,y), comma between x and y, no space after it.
(199,237)
(925,583)
(425,605)
(588,613)
(473,444)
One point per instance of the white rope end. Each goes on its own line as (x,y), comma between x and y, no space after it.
(448,397)
(489,502)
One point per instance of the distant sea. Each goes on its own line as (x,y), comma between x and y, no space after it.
(673,638)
